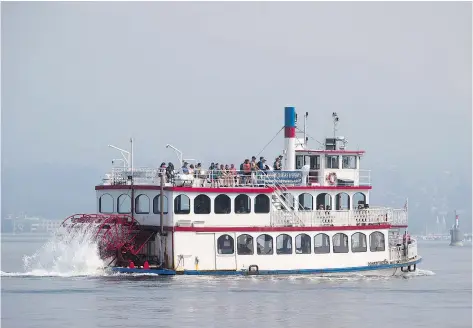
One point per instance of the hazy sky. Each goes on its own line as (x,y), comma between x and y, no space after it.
(213,79)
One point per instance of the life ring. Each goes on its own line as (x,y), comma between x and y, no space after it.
(332,178)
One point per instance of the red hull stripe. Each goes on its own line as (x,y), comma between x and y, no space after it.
(229,190)
(289,132)
(278,229)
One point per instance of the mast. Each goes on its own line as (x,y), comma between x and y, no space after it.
(305,129)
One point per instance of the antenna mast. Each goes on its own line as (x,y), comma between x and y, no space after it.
(335,123)
(305,129)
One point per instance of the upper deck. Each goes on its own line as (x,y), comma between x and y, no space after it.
(237,178)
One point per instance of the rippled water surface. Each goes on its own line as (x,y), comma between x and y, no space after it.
(64,292)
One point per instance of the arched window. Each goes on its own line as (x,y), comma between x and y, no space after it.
(283,244)
(377,243)
(124,204)
(359,200)
(142,204)
(306,202)
(340,243)
(342,201)
(222,204)
(324,201)
(264,245)
(106,203)
(303,244)
(262,204)
(242,204)
(225,244)
(358,242)
(321,244)
(157,204)
(202,204)
(182,205)
(245,245)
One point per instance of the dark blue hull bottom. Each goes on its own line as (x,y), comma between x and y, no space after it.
(403,267)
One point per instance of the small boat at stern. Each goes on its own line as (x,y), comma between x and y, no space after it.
(309,212)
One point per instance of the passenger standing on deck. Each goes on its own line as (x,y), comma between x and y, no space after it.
(254,168)
(170,171)
(184,168)
(246,171)
(277,164)
(261,164)
(233,175)
(162,171)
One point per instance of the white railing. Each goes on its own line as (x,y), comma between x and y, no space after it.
(143,175)
(371,216)
(217,178)
(343,177)
(398,253)
(400,217)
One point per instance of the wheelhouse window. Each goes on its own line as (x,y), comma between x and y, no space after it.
(262,204)
(124,204)
(142,204)
(202,204)
(225,244)
(264,245)
(331,162)
(358,242)
(283,244)
(245,245)
(242,204)
(349,161)
(377,242)
(299,161)
(340,243)
(314,162)
(321,244)
(182,205)
(303,244)
(106,203)
(157,204)
(222,204)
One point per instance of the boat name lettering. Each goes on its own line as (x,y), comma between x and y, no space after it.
(282,177)
(378,263)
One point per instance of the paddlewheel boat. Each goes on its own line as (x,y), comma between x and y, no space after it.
(312,216)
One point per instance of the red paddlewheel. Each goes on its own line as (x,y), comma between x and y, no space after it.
(112,232)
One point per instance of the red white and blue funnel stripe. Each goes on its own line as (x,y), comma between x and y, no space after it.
(289,122)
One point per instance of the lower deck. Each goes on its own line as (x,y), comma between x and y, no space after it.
(273,251)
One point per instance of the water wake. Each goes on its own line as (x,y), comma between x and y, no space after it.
(67,253)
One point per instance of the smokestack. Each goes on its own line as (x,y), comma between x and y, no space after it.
(456,220)
(290,135)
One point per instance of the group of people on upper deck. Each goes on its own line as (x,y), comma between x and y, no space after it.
(225,175)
